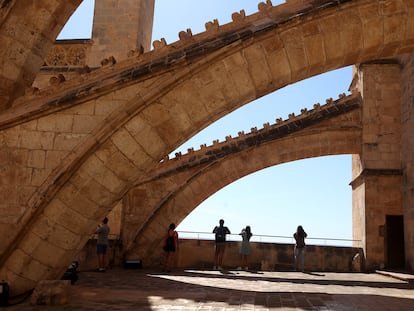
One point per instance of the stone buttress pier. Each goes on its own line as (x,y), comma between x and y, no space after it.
(407,150)
(377,174)
(120,27)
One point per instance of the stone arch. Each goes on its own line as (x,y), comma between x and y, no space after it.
(173,197)
(97,175)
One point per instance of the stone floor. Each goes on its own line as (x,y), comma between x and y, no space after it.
(207,290)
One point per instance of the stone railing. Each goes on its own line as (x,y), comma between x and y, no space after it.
(199,254)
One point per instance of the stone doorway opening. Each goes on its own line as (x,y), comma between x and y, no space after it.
(394,242)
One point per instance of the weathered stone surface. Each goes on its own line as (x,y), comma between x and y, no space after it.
(75,148)
(51,292)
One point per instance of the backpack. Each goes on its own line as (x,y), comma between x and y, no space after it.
(221,234)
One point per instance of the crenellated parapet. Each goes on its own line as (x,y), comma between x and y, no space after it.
(139,64)
(281,128)
(72,53)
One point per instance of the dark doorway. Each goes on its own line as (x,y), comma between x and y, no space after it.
(395,242)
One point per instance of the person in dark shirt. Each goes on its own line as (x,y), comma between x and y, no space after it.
(170,247)
(220,238)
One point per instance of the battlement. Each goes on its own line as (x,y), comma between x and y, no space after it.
(69,53)
(280,128)
(139,63)
(267,16)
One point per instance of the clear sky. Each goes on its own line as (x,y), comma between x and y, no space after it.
(314,193)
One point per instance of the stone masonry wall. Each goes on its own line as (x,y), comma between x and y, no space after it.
(120,27)
(407,144)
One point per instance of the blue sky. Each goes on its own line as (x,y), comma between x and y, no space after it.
(314,193)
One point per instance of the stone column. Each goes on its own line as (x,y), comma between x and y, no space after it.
(407,154)
(377,170)
(120,26)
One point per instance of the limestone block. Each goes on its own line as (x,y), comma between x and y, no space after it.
(220,77)
(122,167)
(73,220)
(29,126)
(278,61)
(54,158)
(11,69)
(22,176)
(39,176)
(51,292)
(64,238)
(295,48)
(257,65)
(36,140)
(130,148)
(10,138)
(26,266)
(78,202)
(23,195)
(314,46)
(391,24)
(86,108)
(236,65)
(36,159)
(85,123)
(104,107)
(332,44)
(156,114)
(179,120)
(55,123)
(17,260)
(29,244)
(145,135)
(67,141)
(50,255)
(100,173)
(9,214)
(94,192)
(352,34)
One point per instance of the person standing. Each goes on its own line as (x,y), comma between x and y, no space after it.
(300,245)
(245,247)
(170,246)
(220,232)
(102,244)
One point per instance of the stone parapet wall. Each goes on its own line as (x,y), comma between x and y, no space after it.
(268,256)
(199,254)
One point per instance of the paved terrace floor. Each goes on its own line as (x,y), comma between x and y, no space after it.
(207,290)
